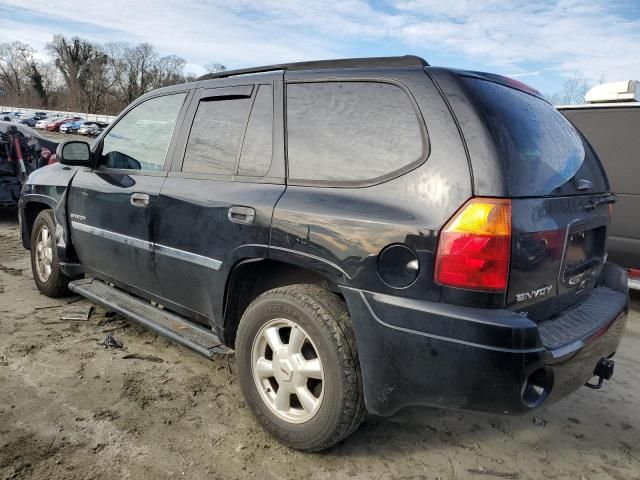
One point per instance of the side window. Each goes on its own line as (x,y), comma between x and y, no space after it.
(255,158)
(350,131)
(216,135)
(140,139)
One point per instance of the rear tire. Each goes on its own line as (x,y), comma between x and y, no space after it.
(313,364)
(44,257)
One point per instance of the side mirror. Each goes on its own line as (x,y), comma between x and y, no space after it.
(74,153)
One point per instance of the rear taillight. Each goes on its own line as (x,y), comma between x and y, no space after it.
(475,246)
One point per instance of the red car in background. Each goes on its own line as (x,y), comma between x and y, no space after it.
(56,124)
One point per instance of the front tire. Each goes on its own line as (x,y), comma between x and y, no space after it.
(44,257)
(298,366)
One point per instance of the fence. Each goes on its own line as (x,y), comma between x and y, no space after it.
(87,116)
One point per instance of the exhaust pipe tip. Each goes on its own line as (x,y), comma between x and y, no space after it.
(537,387)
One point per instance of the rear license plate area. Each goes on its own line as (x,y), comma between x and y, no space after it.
(584,252)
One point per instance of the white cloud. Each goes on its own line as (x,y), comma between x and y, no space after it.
(567,36)
(563,36)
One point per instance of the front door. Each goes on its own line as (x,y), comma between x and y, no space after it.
(112,208)
(216,205)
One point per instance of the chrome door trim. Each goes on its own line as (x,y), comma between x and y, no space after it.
(109,235)
(176,253)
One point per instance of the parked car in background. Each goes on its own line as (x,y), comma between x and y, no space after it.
(55,125)
(10,116)
(72,126)
(91,128)
(428,236)
(611,122)
(31,121)
(42,123)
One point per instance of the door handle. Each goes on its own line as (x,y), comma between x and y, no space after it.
(140,200)
(238,214)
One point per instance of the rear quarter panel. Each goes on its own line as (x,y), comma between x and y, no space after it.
(342,230)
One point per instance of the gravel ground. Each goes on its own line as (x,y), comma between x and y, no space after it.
(72,409)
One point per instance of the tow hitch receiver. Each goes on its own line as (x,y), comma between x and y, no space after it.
(604,371)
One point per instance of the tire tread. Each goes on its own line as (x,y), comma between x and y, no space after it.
(57,285)
(331,312)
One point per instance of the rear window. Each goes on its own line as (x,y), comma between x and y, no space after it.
(541,150)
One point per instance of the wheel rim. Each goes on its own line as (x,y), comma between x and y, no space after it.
(288,371)
(44,254)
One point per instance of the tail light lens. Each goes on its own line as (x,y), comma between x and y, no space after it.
(475,246)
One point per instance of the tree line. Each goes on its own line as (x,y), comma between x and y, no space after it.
(84,76)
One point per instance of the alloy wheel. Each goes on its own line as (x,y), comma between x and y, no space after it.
(288,370)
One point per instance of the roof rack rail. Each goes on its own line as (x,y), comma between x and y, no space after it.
(401,61)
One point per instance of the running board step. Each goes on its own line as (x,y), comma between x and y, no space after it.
(162,322)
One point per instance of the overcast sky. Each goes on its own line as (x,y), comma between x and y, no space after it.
(540,42)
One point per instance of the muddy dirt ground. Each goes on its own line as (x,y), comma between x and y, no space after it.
(73,409)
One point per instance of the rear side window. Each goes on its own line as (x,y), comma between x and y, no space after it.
(541,150)
(255,159)
(216,135)
(350,131)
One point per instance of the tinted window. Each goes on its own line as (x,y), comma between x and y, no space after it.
(140,139)
(350,131)
(255,159)
(216,134)
(541,150)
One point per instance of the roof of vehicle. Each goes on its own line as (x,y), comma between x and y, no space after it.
(400,61)
(501,79)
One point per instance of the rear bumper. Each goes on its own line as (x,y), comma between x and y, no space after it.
(423,353)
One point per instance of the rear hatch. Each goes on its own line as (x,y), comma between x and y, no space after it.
(559,194)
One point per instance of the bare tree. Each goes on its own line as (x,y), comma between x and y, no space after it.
(168,71)
(86,76)
(215,67)
(131,69)
(83,67)
(15,59)
(573,91)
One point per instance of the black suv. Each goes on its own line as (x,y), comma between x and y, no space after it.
(366,234)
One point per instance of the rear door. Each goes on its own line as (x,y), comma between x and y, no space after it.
(112,208)
(215,207)
(560,199)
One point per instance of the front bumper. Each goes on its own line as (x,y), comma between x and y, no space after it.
(414,352)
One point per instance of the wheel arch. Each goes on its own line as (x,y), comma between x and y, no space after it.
(31,209)
(251,277)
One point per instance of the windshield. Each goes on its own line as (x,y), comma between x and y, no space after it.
(540,148)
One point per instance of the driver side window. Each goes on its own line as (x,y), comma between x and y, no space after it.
(140,139)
